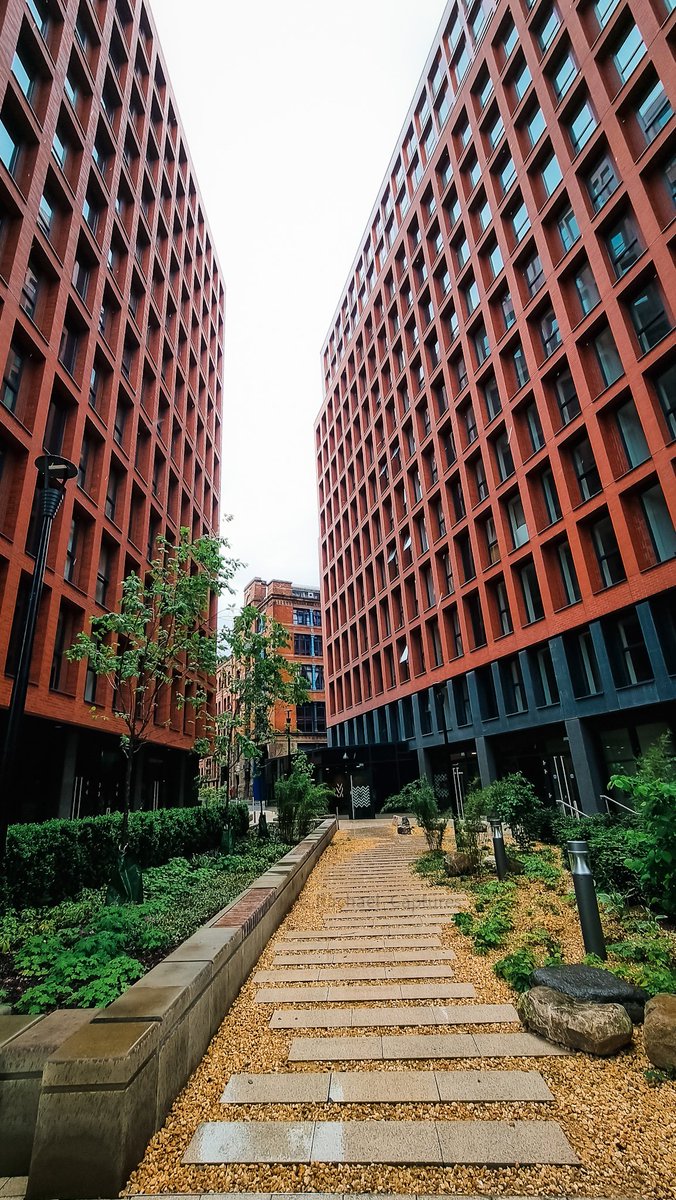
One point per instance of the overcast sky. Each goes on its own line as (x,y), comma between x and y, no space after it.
(291,111)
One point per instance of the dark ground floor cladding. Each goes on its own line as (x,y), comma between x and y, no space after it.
(66,771)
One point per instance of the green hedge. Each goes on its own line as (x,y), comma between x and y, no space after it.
(611,843)
(55,860)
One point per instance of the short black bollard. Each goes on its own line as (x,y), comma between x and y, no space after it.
(585,894)
(498,847)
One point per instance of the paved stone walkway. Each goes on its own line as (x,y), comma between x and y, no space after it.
(386,932)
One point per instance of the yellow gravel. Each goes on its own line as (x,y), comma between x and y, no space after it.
(623,1130)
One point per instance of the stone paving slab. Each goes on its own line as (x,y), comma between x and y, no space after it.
(382,1087)
(504,1143)
(367,942)
(490,1143)
(314,958)
(340,974)
(383,923)
(421,1047)
(482,1087)
(341,994)
(278,1088)
(304,935)
(350,1018)
(387,1087)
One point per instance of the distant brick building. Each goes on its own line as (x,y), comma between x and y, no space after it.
(496,447)
(111,353)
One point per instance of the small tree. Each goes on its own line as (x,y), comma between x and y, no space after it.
(418,797)
(299,799)
(653,792)
(513,800)
(156,640)
(262,676)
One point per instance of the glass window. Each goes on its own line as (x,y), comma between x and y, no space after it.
(569,580)
(522,81)
(665,384)
(530,589)
(504,457)
(520,366)
(9,148)
(471,297)
(492,397)
(551,175)
(563,73)
(91,216)
(659,522)
(548,29)
(648,316)
(587,291)
(496,131)
(607,551)
(623,245)
(581,127)
(29,291)
(627,652)
(506,175)
(601,182)
(517,521)
(484,215)
(520,222)
(534,427)
(550,332)
(11,380)
(474,170)
(535,125)
(608,358)
(504,615)
(604,9)
(507,307)
(569,230)
(586,471)
(550,496)
(509,40)
(495,260)
(59,149)
(654,111)
(566,397)
(631,434)
(534,275)
(481,344)
(71,90)
(544,678)
(23,74)
(629,53)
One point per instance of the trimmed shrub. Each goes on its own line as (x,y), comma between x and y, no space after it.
(238,818)
(55,860)
(612,843)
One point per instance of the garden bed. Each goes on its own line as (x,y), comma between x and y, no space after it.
(81,953)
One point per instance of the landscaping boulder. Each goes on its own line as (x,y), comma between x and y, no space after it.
(593,984)
(601,1029)
(660,1031)
(459,863)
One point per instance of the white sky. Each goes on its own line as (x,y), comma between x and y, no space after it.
(291,110)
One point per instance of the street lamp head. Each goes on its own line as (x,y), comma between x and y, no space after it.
(496,828)
(55,470)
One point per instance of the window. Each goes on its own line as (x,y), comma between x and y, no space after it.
(534,427)
(492,397)
(601,183)
(608,359)
(9,149)
(466,558)
(604,9)
(517,522)
(502,606)
(629,53)
(473,170)
(584,669)
(562,74)
(71,89)
(648,316)
(627,652)
(38,10)
(495,260)
(313,676)
(70,341)
(550,496)
(549,332)
(91,214)
(535,125)
(534,274)
(520,222)
(581,127)
(659,523)
(548,29)
(484,216)
(103,575)
(520,366)
(311,718)
(480,481)
(506,174)
(654,111)
(512,685)
(29,291)
(70,572)
(569,230)
(586,471)
(11,381)
(507,308)
(112,494)
(587,291)
(623,245)
(496,131)
(503,457)
(522,81)
(60,149)
(607,551)
(566,397)
(551,175)
(24,74)
(447,574)
(46,210)
(509,40)
(307,645)
(544,678)
(530,590)
(631,434)
(569,581)
(665,385)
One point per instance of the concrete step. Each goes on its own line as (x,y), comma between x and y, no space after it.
(421,1047)
(404,1017)
(336,957)
(340,974)
(341,994)
(442,1143)
(388,1087)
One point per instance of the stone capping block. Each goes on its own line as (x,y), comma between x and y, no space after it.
(122,1071)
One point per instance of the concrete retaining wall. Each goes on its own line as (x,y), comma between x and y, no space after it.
(81,1099)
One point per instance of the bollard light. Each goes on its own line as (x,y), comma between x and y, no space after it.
(585,894)
(498,847)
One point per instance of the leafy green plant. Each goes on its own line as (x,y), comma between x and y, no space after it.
(653,792)
(612,844)
(655,1077)
(464,921)
(418,797)
(517,968)
(541,866)
(430,864)
(300,800)
(514,800)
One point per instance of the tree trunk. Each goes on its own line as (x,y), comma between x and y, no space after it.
(126,797)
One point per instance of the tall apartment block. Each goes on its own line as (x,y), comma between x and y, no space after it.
(497,442)
(301,726)
(111,351)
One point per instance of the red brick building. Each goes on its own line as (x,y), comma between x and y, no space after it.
(111,352)
(496,446)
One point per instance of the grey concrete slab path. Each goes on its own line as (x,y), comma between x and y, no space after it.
(364,942)
(339,994)
(393,955)
(492,1143)
(326,974)
(422,1047)
(387,1087)
(414,1014)
(357,931)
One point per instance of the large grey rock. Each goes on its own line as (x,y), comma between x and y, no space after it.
(592,984)
(660,1031)
(601,1029)
(458,863)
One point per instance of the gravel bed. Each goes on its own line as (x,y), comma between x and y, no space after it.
(623,1130)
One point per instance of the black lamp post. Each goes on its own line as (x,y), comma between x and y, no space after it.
(53,473)
(498,847)
(585,895)
(288,741)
